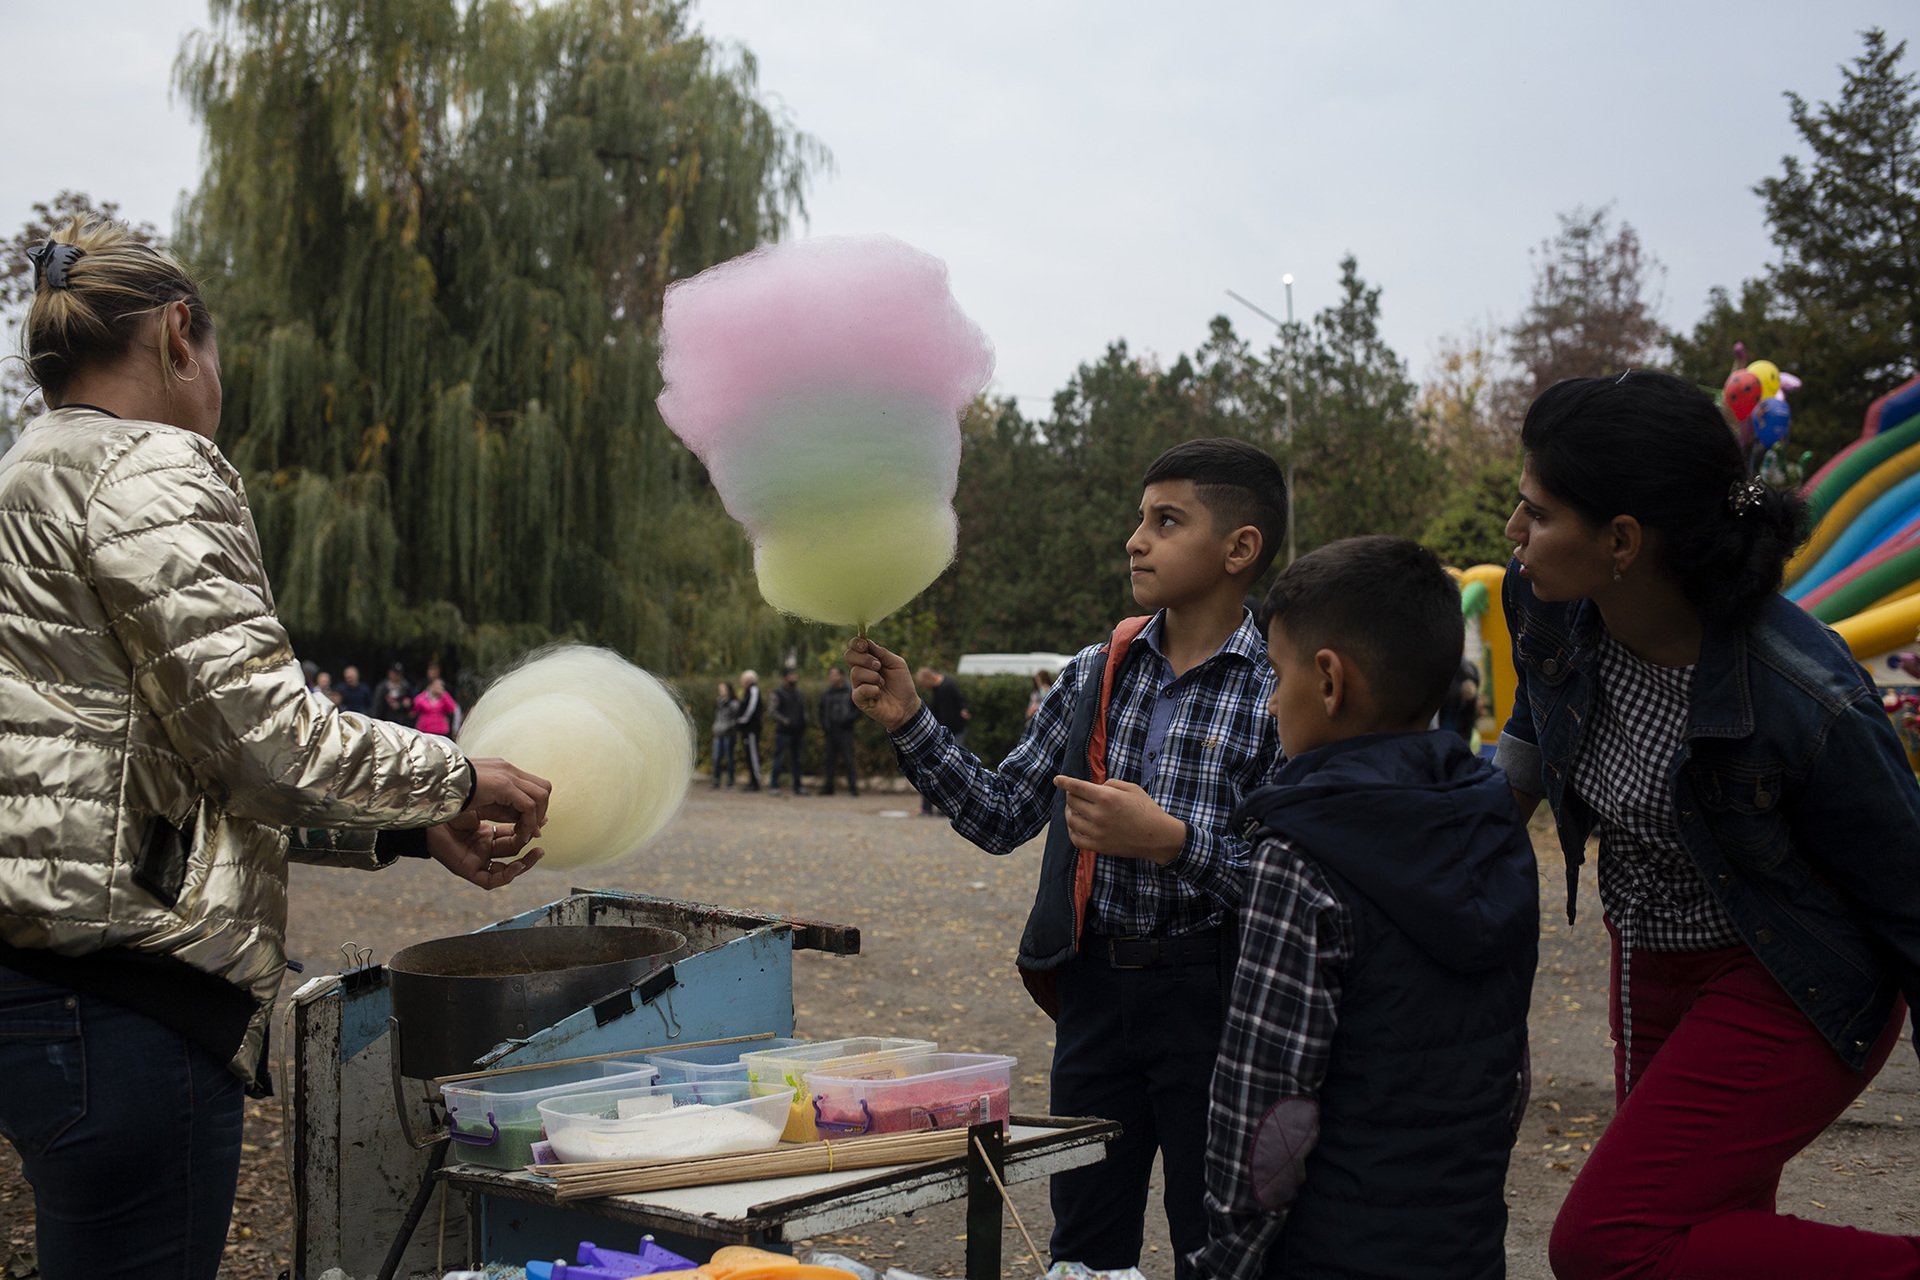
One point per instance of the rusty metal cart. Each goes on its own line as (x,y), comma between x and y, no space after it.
(365,1141)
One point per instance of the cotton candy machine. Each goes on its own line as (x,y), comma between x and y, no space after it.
(454,999)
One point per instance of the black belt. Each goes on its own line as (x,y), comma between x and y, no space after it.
(1154,953)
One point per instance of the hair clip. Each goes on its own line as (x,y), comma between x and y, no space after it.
(1744,496)
(51,262)
(1623,377)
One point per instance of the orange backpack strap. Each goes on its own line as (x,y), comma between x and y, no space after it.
(1123,637)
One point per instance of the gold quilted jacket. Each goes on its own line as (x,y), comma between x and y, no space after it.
(156,735)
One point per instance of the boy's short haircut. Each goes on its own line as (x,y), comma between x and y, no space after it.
(1383,603)
(1240,483)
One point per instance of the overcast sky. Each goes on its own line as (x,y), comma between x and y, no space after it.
(1101,170)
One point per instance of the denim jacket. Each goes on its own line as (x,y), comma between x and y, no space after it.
(1791,789)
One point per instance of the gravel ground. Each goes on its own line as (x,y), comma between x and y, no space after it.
(939,921)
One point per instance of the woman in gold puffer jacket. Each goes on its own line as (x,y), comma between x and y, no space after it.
(157,743)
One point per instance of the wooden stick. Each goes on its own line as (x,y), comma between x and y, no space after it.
(840,1147)
(609,1178)
(1007,1199)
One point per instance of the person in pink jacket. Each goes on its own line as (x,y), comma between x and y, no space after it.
(435,711)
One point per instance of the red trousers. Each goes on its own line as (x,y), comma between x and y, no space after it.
(1729,1082)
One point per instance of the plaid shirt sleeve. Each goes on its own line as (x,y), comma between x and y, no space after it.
(1213,860)
(1295,943)
(997,809)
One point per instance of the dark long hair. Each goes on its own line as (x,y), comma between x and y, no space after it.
(1655,447)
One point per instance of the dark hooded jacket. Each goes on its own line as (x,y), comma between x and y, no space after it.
(1425,1083)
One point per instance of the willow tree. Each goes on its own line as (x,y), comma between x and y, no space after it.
(436,236)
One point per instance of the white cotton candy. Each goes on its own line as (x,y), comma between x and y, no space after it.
(612,740)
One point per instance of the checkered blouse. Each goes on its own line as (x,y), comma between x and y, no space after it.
(1652,891)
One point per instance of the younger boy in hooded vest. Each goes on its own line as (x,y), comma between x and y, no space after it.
(1372,1069)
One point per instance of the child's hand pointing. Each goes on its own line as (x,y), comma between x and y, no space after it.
(1121,820)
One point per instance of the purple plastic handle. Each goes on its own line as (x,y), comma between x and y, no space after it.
(841,1126)
(470,1140)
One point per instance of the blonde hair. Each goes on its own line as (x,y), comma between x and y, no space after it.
(111,287)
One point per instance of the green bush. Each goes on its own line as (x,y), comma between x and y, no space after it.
(999,707)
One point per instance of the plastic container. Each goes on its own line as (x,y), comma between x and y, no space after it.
(770,1069)
(496,1120)
(714,1061)
(905,1093)
(665,1122)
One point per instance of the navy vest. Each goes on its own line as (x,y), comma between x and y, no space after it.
(1417,1115)
(1424,1086)
(1051,936)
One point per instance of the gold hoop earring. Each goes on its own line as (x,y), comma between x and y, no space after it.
(179,377)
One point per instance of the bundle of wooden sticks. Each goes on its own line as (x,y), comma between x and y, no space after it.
(583,1181)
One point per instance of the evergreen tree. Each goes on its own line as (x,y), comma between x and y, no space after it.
(1362,463)
(1046,506)
(1847,223)
(1469,526)
(1757,322)
(436,236)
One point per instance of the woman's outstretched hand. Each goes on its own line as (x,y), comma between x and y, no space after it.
(478,851)
(504,793)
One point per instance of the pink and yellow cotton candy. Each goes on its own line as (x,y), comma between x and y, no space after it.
(822,383)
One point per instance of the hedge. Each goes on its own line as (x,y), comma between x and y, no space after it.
(998,704)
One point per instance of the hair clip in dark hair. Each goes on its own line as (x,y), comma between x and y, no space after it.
(1744,496)
(1623,377)
(51,262)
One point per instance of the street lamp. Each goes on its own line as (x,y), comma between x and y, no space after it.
(1286,331)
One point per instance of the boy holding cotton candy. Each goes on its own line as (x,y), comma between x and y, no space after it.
(1135,762)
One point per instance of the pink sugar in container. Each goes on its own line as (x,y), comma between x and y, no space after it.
(908,1093)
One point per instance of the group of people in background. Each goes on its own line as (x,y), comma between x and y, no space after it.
(427,706)
(740,712)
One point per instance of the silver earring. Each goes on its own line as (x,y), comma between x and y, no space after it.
(1616,569)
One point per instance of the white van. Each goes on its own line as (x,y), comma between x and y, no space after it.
(1011,664)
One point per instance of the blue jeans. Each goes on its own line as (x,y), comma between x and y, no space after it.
(129,1133)
(722,758)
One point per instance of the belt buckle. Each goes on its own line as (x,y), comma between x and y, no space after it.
(1113,952)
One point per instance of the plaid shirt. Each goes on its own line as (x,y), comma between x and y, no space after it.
(1197,745)
(1296,938)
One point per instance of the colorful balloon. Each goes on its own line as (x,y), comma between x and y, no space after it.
(1770,421)
(1769,374)
(1788,382)
(1741,394)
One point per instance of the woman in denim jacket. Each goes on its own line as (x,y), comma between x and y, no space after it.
(1759,831)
